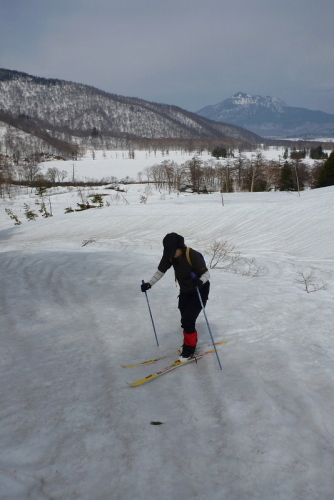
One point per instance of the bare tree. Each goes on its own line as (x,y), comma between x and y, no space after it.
(249,267)
(239,164)
(309,281)
(180,175)
(148,173)
(195,172)
(224,255)
(30,171)
(6,175)
(271,174)
(62,176)
(167,168)
(257,166)
(52,174)
(295,164)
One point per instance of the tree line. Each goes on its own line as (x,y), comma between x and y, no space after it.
(21,156)
(238,174)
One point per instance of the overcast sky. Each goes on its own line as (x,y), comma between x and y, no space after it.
(190,53)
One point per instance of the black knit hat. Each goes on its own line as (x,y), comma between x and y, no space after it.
(171,243)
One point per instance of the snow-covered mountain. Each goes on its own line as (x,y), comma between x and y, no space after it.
(70,110)
(270,116)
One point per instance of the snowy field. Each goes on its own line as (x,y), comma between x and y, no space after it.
(120,165)
(72,312)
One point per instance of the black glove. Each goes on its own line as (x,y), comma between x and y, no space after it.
(145,286)
(197,282)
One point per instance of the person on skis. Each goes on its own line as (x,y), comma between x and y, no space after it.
(184,261)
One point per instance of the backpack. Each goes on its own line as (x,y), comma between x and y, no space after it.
(189,259)
(188,256)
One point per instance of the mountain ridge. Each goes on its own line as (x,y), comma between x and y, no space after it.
(270,116)
(65,108)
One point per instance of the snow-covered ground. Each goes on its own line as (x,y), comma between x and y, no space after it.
(118,163)
(72,311)
(115,164)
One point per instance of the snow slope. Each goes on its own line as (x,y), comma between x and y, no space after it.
(72,312)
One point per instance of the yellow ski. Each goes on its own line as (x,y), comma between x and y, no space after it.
(151,361)
(169,368)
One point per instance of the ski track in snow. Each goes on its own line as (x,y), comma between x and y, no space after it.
(262,428)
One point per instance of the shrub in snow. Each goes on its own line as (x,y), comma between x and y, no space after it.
(13,217)
(97,198)
(30,214)
(309,281)
(223,255)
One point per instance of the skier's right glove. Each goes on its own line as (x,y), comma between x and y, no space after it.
(145,286)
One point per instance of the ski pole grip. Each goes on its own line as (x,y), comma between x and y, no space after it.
(193,275)
(142,281)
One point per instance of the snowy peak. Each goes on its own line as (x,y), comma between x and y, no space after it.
(241,99)
(270,116)
(240,105)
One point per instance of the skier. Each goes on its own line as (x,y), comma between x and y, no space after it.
(184,261)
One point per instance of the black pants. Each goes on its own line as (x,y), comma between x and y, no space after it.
(190,307)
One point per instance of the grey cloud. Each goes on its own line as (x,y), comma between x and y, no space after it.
(185,52)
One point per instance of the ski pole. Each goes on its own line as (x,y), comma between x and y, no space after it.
(155,333)
(193,275)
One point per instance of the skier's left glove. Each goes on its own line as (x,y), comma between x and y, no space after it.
(197,282)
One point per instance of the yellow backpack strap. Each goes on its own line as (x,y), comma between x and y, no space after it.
(188,256)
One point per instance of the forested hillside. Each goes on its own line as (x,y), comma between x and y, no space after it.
(76,112)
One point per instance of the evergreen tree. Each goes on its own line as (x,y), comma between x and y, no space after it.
(326,177)
(30,214)
(298,154)
(97,198)
(219,152)
(318,153)
(286,181)
(40,190)
(13,216)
